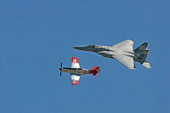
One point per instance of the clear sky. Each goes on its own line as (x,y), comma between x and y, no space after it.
(37,35)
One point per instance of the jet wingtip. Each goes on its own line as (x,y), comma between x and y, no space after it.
(131,68)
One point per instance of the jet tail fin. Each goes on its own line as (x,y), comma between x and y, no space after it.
(141,54)
(141,47)
(141,57)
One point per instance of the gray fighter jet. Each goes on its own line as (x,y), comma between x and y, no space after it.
(122,52)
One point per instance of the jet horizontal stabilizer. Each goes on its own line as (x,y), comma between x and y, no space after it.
(146,64)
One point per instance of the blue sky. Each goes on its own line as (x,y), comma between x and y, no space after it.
(36,35)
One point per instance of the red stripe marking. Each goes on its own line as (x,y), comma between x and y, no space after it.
(74,58)
(74,83)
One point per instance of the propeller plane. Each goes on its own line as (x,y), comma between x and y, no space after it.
(75,71)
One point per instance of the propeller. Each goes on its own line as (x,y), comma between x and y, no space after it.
(61,69)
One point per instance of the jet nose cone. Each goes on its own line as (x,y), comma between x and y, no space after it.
(60,69)
(78,47)
(75,47)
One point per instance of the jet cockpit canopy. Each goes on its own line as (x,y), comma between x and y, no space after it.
(91,46)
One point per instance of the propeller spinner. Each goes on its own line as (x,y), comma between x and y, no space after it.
(61,69)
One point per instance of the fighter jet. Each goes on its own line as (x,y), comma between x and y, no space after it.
(75,71)
(122,52)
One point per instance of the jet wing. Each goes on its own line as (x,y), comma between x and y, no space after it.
(125,60)
(75,63)
(125,45)
(74,79)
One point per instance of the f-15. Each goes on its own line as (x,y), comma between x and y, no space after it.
(75,71)
(122,52)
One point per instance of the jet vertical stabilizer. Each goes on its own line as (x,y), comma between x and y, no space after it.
(140,55)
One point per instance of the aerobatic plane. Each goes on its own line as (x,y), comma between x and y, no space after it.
(122,52)
(75,71)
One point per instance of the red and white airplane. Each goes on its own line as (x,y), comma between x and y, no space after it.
(75,71)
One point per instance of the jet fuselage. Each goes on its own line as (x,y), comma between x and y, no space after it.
(105,51)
